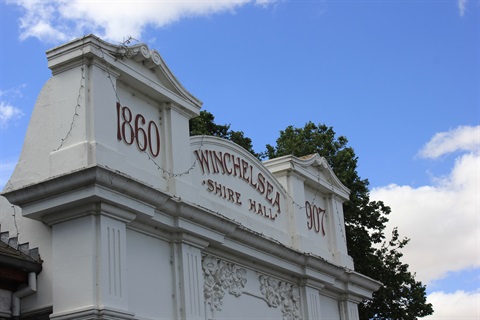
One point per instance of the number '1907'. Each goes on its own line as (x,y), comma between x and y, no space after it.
(315,217)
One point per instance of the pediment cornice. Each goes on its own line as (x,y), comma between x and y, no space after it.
(313,169)
(137,65)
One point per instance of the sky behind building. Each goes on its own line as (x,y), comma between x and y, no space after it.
(399,79)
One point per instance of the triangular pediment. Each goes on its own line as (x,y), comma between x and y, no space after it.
(151,60)
(137,65)
(313,169)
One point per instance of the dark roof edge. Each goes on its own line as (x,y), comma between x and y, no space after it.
(18,256)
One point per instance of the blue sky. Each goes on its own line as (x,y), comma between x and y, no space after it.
(399,79)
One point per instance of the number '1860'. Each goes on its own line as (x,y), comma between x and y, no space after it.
(133,128)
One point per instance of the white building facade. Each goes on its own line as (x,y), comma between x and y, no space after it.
(135,219)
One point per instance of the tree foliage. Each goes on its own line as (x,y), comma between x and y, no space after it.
(205,125)
(401,296)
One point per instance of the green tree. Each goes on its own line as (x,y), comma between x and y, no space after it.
(205,125)
(401,296)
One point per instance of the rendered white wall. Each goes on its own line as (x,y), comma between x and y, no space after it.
(74,265)
(329,308)
(150,278)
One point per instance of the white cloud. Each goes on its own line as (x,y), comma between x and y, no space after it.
(59,20)
(15,92)
(463,138)
(442,219)
(8,113)
(458,305)
(462,6)
(264,3)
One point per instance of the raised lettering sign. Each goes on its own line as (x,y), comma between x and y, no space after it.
(315,217)
(131,128)
(217,162)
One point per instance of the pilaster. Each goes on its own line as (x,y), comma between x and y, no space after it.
(178,162)
(312,306)
(89,257)
(188,277)
(348,310)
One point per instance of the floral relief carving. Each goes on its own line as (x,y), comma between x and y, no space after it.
(280,293)
(221,276)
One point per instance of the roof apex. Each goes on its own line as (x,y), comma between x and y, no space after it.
(135,62)
(309,168)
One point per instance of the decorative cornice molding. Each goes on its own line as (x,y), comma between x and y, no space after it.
(67,192)
(90,313)
(129,62)
(308,168)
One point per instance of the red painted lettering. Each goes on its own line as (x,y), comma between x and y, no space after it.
(236,166)
(269,191)
(253,205)
(315,217)
(261,183)
(210,187)
(130,128)
(244,171)
(237,198)
(202,157)
(229,172)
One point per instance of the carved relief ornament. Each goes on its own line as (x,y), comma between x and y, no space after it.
(221,276)
(280,293)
